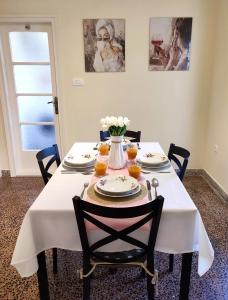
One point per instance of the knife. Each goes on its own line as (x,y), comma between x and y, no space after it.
(149,190)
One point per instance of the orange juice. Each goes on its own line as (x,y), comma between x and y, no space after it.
(134,171)
(103,149)
(100,168)
(131,152)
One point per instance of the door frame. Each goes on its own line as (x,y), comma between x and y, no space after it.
(51,20)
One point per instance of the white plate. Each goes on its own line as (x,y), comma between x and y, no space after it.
(153,159)
(79,166)
(117,195)
(117,184)
(156,167)
(79,159)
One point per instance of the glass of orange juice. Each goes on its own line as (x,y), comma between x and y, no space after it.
(104,149)
(101,165)
(134,170)
(132,151)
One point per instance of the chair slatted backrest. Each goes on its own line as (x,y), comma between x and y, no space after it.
(89,211)
(41,155)
(134,135)
(174,154)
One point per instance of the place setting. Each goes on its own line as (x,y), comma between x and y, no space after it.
(115,188)
(82,163)
(152,162)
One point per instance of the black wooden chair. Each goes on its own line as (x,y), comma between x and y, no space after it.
(134,135)
(88,212)
(180,157)
(44,169)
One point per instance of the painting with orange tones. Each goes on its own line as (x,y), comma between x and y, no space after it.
(169,44)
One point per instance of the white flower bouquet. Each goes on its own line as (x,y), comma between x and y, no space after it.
(116,126)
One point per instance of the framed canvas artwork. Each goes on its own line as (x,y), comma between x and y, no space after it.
(170,44)
(104,45)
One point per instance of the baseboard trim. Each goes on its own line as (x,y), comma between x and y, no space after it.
(194,172)
(210,180)
(5,173)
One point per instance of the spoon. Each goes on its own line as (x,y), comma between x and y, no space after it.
(86,184)
(155,184)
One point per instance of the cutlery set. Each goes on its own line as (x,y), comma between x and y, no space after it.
(154,184)
(151,172)
(87,172)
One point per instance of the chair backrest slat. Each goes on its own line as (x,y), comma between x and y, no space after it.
(148,212)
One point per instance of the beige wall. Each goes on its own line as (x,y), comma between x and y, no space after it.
(166,106)
(216,163)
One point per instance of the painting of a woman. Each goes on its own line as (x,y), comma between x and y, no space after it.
(104,42)
(170,42)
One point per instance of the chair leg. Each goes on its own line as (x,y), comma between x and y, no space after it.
(54,258)
(86,280)
(150,288)
(171,261)
(86,288)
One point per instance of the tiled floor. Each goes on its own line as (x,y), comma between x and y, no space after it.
(17,194)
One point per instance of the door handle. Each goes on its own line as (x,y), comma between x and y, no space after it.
(55,103)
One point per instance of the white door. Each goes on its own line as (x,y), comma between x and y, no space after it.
(30,87)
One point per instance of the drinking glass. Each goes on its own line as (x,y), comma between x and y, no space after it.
(134,170)
(132,151)
(104,149)
(101,165)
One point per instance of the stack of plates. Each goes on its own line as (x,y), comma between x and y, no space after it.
(79,161)
(117,186)
(152,160)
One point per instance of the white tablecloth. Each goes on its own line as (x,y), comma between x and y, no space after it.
(50,222)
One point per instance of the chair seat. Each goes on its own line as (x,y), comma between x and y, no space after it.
(120,257)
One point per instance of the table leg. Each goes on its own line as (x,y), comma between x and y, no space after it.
(42,277)
(185,275)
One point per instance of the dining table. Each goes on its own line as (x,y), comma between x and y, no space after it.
(50,221)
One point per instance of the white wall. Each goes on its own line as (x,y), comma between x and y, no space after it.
(216,163)
(166,106)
